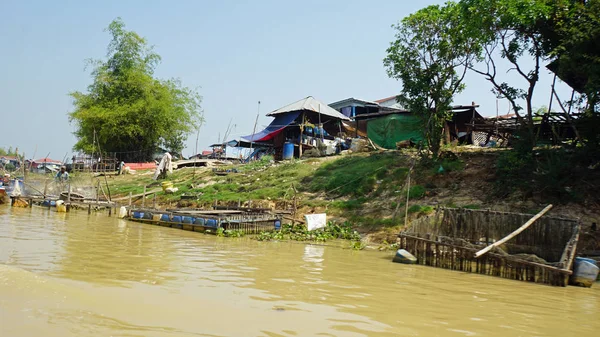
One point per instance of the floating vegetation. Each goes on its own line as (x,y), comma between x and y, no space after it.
(299,233)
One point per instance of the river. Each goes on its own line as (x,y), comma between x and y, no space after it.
(92,275)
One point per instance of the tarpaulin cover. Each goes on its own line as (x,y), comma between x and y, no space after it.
(388,130)
(276,126)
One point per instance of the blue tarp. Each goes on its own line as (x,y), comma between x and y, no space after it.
(276,126)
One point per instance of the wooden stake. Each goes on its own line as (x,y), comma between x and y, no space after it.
(144,197)
(407,198)
(515,233)
(129,199)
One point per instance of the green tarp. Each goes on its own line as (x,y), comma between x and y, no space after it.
(386,131)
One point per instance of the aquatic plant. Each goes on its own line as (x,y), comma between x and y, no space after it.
(299,233)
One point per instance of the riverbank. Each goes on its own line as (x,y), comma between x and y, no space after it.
(366,190)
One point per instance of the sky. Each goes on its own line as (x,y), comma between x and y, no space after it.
(235,53)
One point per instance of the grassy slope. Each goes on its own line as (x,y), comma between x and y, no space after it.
(368,190)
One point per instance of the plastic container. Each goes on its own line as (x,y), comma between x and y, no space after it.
(165,185)
(147,216)
(277,224)
(288,151)
(199,221)
(585,272)
(138,215)
(211,223)
(165,217)
(402,256)
(176,218)
(187,220)
(122,212)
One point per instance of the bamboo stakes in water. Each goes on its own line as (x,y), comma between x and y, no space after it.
(515,233)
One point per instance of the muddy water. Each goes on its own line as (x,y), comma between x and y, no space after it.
(79,275)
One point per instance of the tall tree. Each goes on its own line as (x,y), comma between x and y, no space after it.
(128,111)
(509,30)
(430,56)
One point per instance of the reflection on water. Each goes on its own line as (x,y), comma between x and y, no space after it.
(79,275)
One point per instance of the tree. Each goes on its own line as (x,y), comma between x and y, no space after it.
(128,111)
(510,30)
(430,56)
(571,39)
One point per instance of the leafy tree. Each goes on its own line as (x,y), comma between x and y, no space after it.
(571,38)
(8,152)
(509,30)
(430,56)
(128,111)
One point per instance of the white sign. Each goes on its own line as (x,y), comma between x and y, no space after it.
(315,221)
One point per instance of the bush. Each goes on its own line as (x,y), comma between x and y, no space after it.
(416,192)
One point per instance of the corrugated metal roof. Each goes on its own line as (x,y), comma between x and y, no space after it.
(310,104)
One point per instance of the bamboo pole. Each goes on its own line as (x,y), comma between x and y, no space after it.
(515,233)
(144,197)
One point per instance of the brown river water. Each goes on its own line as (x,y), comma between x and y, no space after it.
(93,275)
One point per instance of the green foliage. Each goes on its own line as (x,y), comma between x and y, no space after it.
(571,36)
(551,173)
(126,109)
(416,192)
(430,55)
(299,233)
(233,233)
(450,165)
(352,204)
(8,152)
(513,171)
(472,206)
(418,209)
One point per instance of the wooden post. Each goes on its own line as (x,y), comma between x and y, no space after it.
(89,209)
(109,210)
(98,192)
(515,233)
(69,193)
(154,201)
(144,197)
(129,199)
(407,199)
(45,188)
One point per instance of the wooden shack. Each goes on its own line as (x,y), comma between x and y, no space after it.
(449,238)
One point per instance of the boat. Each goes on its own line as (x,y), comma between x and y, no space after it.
(74,196)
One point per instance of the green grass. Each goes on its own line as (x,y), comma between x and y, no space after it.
(418,209)
(357,175)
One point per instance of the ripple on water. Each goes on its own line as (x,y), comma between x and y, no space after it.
(74,274)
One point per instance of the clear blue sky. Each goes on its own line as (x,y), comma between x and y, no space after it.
(235,52)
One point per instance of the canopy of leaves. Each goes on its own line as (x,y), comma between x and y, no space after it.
(430,56)
(128,111)
(571,37)
(8,152)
